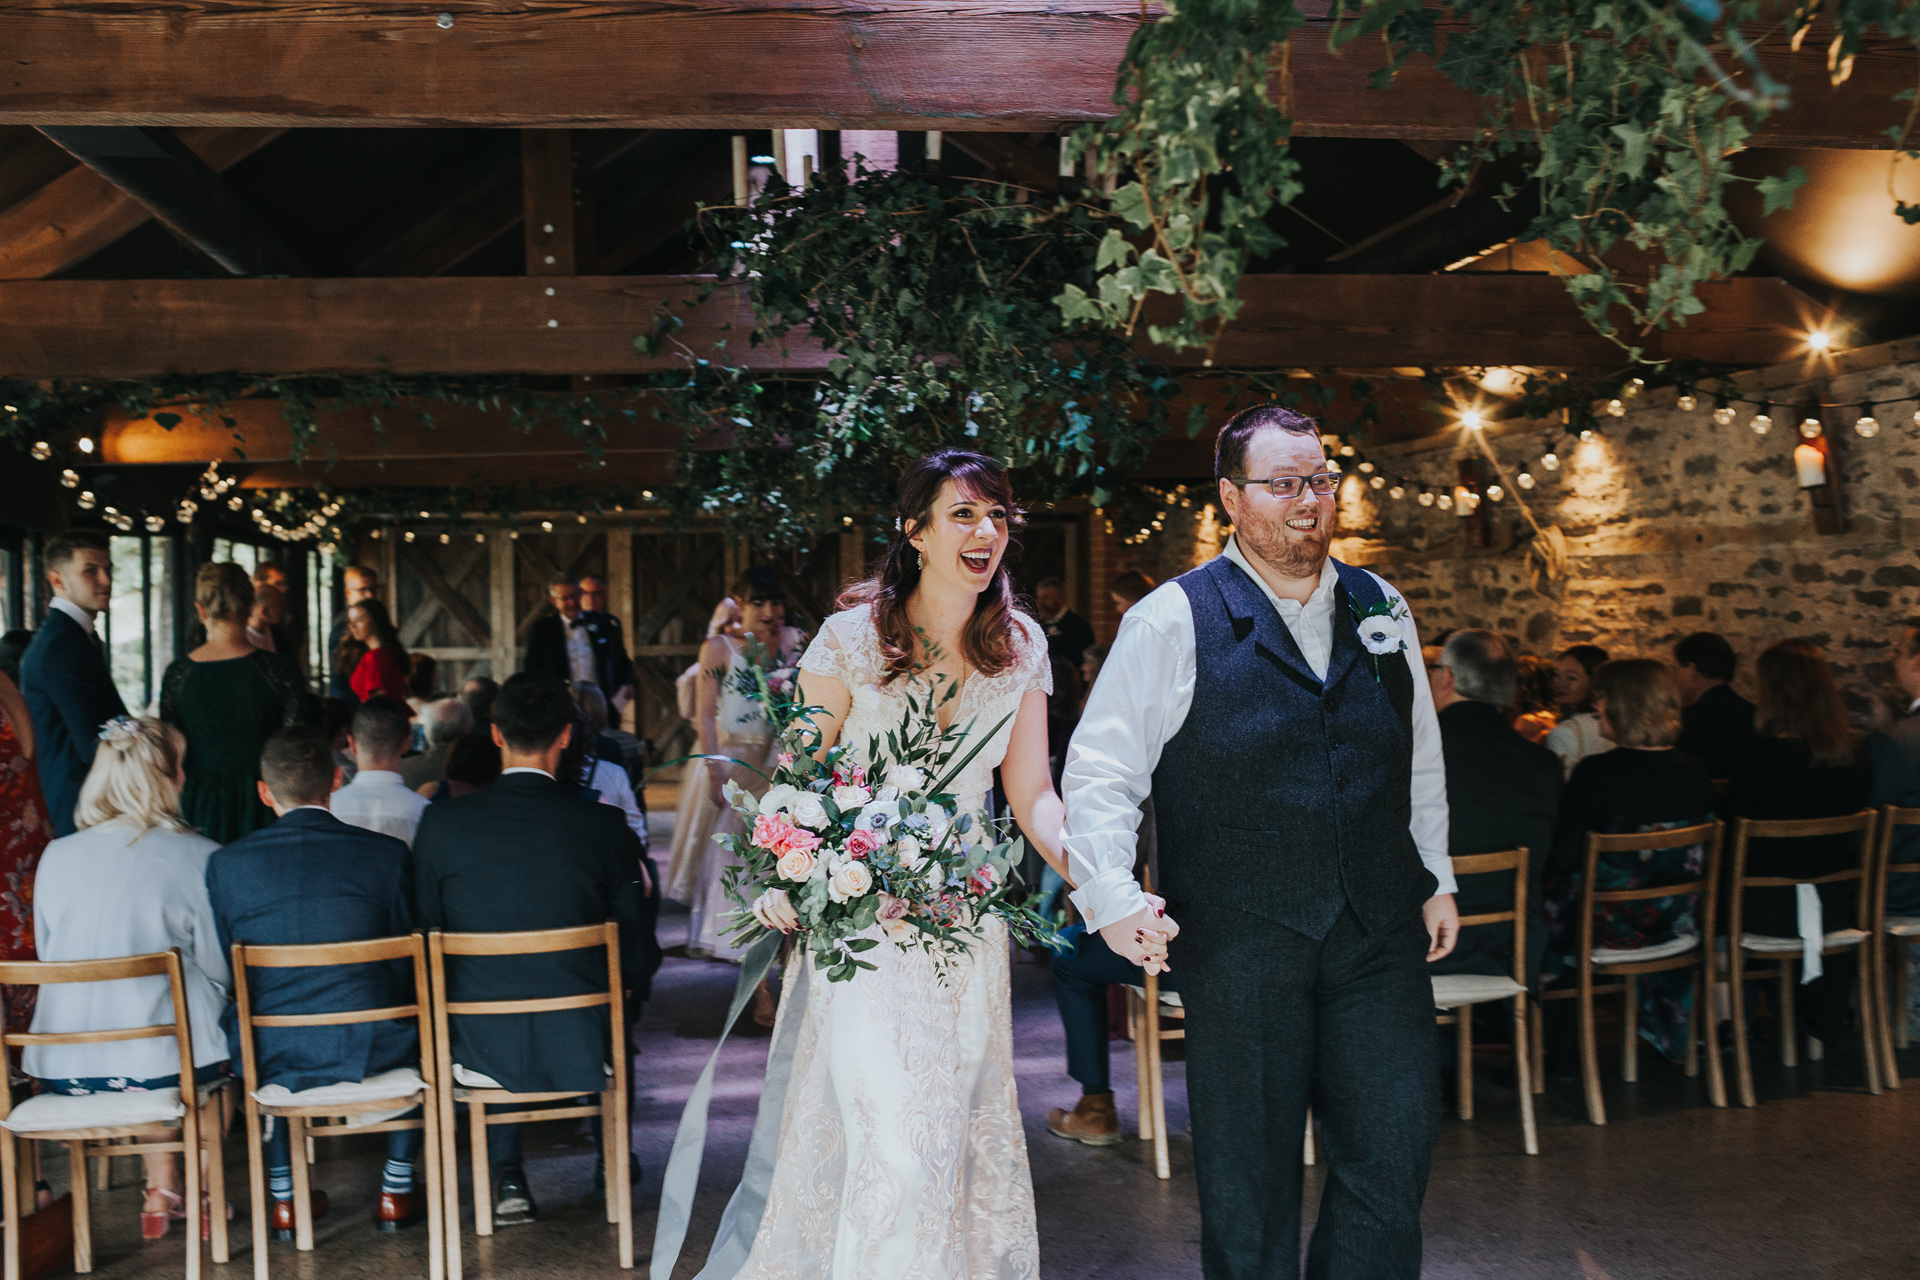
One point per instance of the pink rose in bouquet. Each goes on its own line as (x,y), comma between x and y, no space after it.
(863,842)
(778,836)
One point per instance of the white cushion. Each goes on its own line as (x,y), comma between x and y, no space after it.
(1658,951)
(474,1080)
(1904,926)
(1451,990)
(62,1111)
(1168,999)
(401,1082)
(1769,943)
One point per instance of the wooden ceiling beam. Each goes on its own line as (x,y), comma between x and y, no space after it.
(882,64)
(587,324)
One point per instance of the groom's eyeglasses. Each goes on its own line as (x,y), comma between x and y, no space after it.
(1286,487)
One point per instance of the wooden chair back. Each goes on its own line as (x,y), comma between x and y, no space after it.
(1863,873)
(1598,845)
(1518,861)
(153,965)
(1892,817)
(326,955)
(440,945)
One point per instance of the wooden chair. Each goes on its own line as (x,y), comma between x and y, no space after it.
(87,1124)
(1892,936)
(612,1107)
(388,1092)
(1455,994)
(1146,1006)
(1785,951)
(1623,967)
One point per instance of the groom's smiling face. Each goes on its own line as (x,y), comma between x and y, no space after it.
(1291,535)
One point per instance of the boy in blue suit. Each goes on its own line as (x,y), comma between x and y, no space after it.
(64,674)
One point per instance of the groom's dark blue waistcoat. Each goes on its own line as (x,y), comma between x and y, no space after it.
(1281,795)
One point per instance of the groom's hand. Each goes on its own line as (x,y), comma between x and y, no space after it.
(1443,925)
(1142,937)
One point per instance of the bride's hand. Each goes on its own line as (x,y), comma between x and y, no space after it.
(773,911)
(1142,937)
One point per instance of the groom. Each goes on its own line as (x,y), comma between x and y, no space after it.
(1274,703)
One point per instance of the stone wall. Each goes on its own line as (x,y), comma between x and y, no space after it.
(1675,524)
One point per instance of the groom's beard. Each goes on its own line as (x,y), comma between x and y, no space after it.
(1294,553)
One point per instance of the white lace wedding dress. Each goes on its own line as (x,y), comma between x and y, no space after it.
(901,1155)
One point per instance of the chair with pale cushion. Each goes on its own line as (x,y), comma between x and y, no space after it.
(1786,952)
(1455,994)
(1893,935)
(89,1123)
(1623,967)
(373,1105)
(477,1091)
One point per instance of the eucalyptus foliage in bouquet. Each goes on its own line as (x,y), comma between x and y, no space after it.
(875,850)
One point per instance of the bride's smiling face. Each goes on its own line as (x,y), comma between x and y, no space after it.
(963,540)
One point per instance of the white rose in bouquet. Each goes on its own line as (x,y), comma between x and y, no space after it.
(796,864)
(907,852)
(808,811)
(848,878)
(905,777)
(849,798)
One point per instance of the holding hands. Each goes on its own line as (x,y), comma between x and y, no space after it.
(774,911)
(1143,936)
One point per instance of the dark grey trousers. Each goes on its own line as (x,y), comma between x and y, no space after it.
(1277,1022)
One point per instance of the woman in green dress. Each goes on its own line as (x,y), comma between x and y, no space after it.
(228,698)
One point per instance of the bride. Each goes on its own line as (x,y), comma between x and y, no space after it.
(901,1152)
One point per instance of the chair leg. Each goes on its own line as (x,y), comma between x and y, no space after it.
(606,1154)
(1869,1000)
(1630,1030)
(1737,998)
(9,1189)
(190,1175)
(619,1174)
(82,1208)
(302,1184)
(1463,1060)
(1692,1064)
(1789,1024)
(1307,1154)
(1900,1040)
(1523,1068)
(430,1158)
(1135,1018)
(482,1174)
(1590,1060)
(1891,979)
(103,1171)
(212,1141)
(257,1188)
(450,1178)
(26,1175)
(1537,1017)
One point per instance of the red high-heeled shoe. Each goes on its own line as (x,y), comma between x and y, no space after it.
(154,1226)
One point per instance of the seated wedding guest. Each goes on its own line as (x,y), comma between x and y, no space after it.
(1644,784)
(478,695)
(378,798)
(609,779)
(1502,793)
(422,674)
(263,620)
(444,722)
(472,765)
(1090,664)
(336,722)
(24,832)
(1716,724)
(64,675)
(1533,701)
(526,853)
(1805,762)
(1127,590)
(1068,634)
(373,653)
(131,881)
(13,646)
(1578,734)
(1895,756)
(228,698)
(309,878)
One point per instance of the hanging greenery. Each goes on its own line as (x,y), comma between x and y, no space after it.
(934,297)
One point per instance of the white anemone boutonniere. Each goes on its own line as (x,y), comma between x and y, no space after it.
(1380,630)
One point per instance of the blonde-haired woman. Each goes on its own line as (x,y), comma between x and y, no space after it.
(131,880)
(228,697)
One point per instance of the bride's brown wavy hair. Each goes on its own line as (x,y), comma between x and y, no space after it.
(987,642)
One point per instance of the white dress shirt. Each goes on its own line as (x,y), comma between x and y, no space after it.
(75,612)
(580,652)
(380,800)
(1141,700)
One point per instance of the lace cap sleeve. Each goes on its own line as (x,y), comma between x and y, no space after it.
(828,654)
(1036,672)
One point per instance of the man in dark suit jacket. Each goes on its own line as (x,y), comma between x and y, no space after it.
(577,645)
(1069,635)
(64,673)
(1502,792)
(530,853)
(1716,724)
(1896,772)
(312,878)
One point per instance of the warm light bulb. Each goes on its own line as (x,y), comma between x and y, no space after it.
(1723,415)
(479,537)
(156,523)
(1444,502)
(1586,433)
(546,526)
(1819,340)
(1524,480)
(86,444)
(1868,426)
(1551,461)
(1761,424)
(1616,409)
(1366,468)
(1686,403)
(86,500)
(1471,420)
(1426,499)
(1634,388)
(1810,428)
(1495,492)
(1378,482)
(408,535)
(445,538)
(70,478)
(1346,451)
(41,451)
(1396,493)
(236,502)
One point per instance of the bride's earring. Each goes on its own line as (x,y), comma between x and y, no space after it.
(920,560)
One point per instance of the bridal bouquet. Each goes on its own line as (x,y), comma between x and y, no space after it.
(885,843)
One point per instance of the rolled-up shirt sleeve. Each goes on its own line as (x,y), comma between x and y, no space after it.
(1428,822)
(1140,700)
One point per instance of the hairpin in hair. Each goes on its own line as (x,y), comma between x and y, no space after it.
(120,731)
(896,524)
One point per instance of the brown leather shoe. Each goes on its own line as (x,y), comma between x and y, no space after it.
(280,1221)
(398,1211)
(1092,1121)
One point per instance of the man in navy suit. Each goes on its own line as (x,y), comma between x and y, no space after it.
(64,672)
(312,878)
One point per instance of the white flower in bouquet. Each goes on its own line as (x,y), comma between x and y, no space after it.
(887,793)
(797,864)
(878,815)
(848,798)
(808,811)
(905,777)
(907,853)
(848,878)
(778,798)
(892,917)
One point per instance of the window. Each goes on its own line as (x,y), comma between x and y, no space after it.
(137,626)
(244,554)
(320,567)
